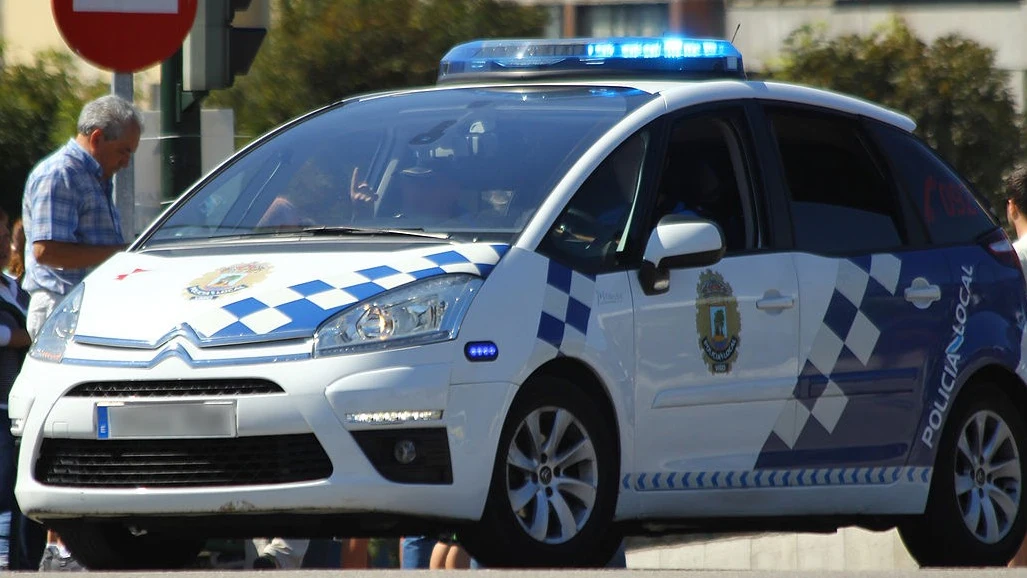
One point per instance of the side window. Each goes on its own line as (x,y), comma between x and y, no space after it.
(946,205)
(704,175)
(591,234)
(841,202)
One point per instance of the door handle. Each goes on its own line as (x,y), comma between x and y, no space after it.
(774,301)
(922,293)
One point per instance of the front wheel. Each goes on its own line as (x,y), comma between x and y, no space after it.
(114,547)
(975,510)
(554,483)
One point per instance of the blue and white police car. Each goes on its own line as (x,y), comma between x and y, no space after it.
(581,288)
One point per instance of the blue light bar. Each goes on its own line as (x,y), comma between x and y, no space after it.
(562,57)
(481,351)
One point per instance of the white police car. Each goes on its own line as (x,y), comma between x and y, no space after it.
(580,288)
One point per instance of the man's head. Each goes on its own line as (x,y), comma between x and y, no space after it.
(1016,199)
(109,129)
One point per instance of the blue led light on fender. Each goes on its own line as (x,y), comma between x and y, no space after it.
(670,56)
(481,351)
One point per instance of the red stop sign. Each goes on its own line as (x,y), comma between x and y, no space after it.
(124,35)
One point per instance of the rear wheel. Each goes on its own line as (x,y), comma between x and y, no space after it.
(975,511)
(114,547)
(554,484)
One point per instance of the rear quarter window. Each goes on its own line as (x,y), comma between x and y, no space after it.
(945,202)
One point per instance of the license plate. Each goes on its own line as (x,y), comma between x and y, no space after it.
(211,419)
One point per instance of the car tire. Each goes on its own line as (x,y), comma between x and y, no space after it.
(975,509)
(114,547)
(546,510)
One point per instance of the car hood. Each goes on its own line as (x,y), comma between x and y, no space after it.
(143,300)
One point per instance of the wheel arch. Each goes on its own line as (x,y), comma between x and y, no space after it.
(995,373)
(1008,381)
(981,370)
(581,374)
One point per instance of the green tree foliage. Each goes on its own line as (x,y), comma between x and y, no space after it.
(961,102)
(39,105)
(320,51)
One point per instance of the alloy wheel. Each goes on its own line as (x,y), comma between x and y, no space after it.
(988,484)
(552,475)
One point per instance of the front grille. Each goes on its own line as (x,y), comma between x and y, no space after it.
(182,463)
(175,388)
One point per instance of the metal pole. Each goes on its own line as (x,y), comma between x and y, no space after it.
(180,130)
(170,78)
(124,180)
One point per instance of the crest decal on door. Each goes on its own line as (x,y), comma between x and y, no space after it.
(717,322)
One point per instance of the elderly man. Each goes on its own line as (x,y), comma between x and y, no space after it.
(71,222)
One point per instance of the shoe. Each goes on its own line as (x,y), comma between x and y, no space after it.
(265,562)
(48,562)
(69,564)
(53,561)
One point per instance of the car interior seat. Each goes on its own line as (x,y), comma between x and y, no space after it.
(698,180)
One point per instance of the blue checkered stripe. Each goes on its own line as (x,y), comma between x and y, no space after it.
(566,309)
(298,309)
(744,479)
(847,333)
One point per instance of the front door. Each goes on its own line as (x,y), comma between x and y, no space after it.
(716,355)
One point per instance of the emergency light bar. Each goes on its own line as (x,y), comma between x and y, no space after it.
(565,57)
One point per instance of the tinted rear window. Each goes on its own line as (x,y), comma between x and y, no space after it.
(841,201)
(945,202)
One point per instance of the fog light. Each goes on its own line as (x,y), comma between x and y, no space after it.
(405,451)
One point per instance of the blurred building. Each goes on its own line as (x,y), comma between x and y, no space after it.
(760,26)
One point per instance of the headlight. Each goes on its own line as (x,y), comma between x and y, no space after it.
(59,328)
(426,311)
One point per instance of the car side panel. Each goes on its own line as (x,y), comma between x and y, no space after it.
(985,327)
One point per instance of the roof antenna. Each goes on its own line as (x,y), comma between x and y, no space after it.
(733,36)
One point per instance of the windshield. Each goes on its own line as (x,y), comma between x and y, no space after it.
(468,163)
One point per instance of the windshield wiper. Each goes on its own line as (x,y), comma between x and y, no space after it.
(326,230)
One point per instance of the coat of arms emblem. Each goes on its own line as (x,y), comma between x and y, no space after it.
(717,321)
(227,280)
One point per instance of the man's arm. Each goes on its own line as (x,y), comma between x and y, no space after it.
(72,255)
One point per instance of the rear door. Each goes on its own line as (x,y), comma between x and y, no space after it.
(876,300)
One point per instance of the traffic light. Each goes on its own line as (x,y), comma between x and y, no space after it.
(223,42)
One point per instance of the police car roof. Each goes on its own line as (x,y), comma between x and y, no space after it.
(681,93)
(682,70)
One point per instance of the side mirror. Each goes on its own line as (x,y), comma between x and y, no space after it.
(677,242)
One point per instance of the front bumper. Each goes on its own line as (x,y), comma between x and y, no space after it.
(316,396)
